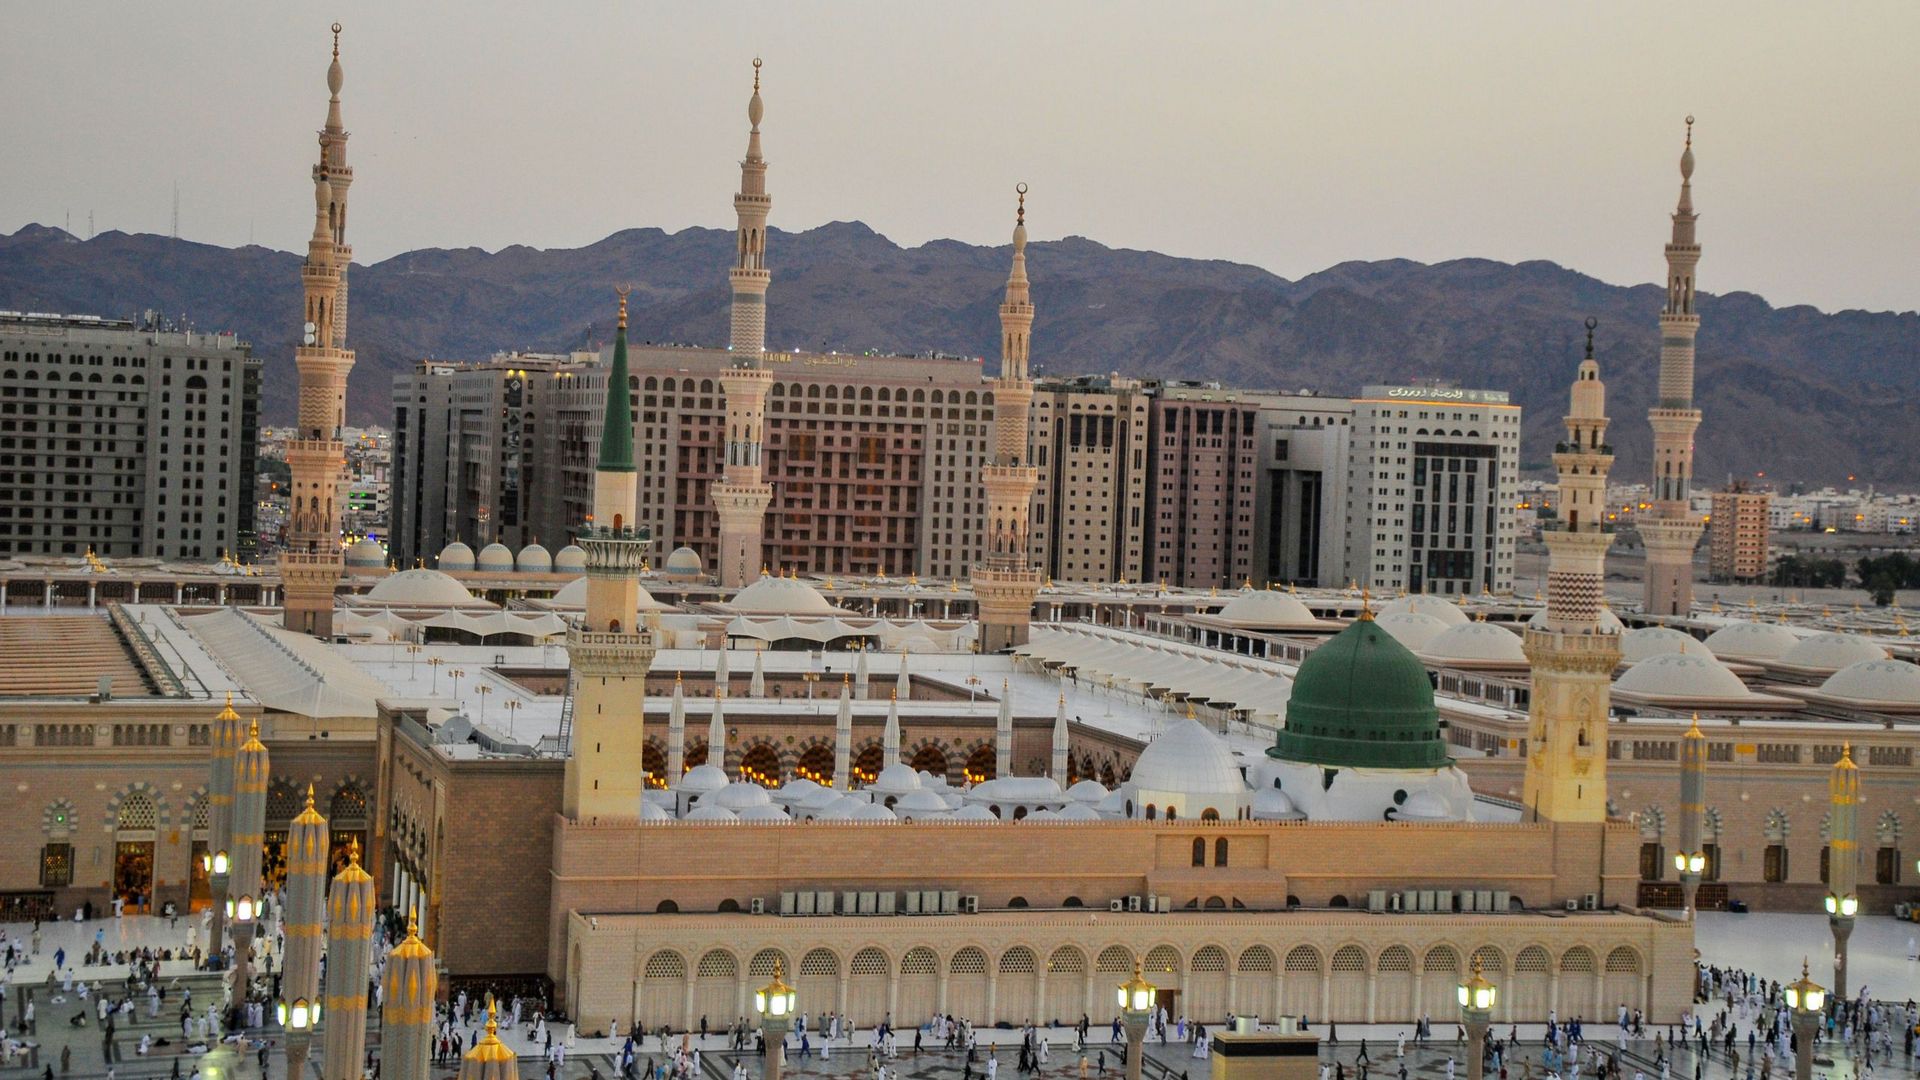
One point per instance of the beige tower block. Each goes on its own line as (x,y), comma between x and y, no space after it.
(1567,724)
(1670,545)
(606,770)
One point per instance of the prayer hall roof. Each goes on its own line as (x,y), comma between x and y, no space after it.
(1420,603)
(1893,683)
(1638,644)
(1755,641)
(1831,651)
(66,656)
(781,596)
(422,586)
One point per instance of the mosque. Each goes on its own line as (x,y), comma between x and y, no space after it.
(640,790)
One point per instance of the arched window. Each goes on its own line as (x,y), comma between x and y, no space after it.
(667,907)
(1220,852)
(1199,851)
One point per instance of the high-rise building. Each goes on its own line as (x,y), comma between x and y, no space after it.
(1004,580)
(1737,541)
(132,440)
(1574,654)
(1431,484)
(1202,495)
(1088,444)
(312,562)
(1671,530)
(1306,446)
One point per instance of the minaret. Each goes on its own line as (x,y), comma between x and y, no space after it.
(890,735)
(843,738)
(717,733)
(757,685)
(1670,530)
(1573,655)
(308,850)
(1691,859)
(1060,744)
(349,953)
(406,1017)
(862,687)
(903,683)
(1005,582)
(742,495)
(312,563)
(609,651)
(1843,861)
(677,734)
(1003,734)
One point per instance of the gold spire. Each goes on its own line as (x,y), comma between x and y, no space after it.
(623,290)
(1694,731)
(228,713)
(756,89)
(1845,764)
(353,851)
(1020,213)
(411,947)
(1366,606)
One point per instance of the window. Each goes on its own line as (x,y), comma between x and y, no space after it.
(56,865)
(1886,865)
(1651,862)
(1220,852)
(1199,852)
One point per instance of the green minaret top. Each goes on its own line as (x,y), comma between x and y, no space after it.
(616,430)
(1362,700)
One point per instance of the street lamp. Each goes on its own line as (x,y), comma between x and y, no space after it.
(1690,864)
(1135,998)
(1840,912)
(300,1015)
(214,863)
(1805,999)
(774,1002)
(1477,997)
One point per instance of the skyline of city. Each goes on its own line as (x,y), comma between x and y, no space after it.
(1501,175)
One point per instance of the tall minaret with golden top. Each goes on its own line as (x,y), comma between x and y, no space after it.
(1574,654)
(1671,530)
(312,562)
(741,497)
(1005,582)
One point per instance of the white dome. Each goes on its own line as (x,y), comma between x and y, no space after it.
(1017,789)
(1411,628)
(367,552)
(1831,652)
(1042,814)
(1476,642)
(1087,791)
(1875,682)
(455,556)
(873,811)
(1751,641)
(1266,607)
(495,558)
(709,812)
(764,812)
(1424,805)
(533,559)
(921,804)
(818,799)
(1272,804)
(781,596)
(840,809)
(683,562)
(420,587)
(1422,604)
(702,779)
(574,595)
(1189,766)
(1608,620)
(1114,805)
(895,779)
(1690,678)
(975,812)
(797,790)
(739,795)
(1637,645)
(570,559)
(651,811)
(1078,811)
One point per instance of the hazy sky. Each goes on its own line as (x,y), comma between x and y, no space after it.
(1288,136)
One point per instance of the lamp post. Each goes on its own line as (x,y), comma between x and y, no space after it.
(1135,998)
(1690,864)
(433,663)
(1805,999)
(1477,997)
(1843,861)
(1690,860)
(774,1002)
(513,706)
(483,690)
(297,1018)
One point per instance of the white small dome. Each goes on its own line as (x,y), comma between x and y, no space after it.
(1422,604)
(781,596)
(570,559)
(1411,628)
(873,811)
(1475,642)
(840,809)
(574,595)
(1087,791)
(895,779)
(455,556)
(1681,677)
(1608,621)
(921,804)
(1424,805)
(818,799)
(974,812)
(709,812)
(367,553)
(764,812)
(702,779)
(1272,804)
(1753,641)
(1078,811)
(534,559)
(651,811)
(1191,768)
(1266,608)
(1114,805)
(496,559)
(1875,682)
(796,791)
(1831,651)
(1042,814)
(739,795)
(420,587)
(683,562)
(1017,789)
(1637,645)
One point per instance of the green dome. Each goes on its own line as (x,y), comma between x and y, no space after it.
(1362,700)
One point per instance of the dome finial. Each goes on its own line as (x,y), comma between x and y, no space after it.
(622,291)
(1686,155)
(309,796)
(1591,323)
(1020,214)
(1366,605)
(336,51)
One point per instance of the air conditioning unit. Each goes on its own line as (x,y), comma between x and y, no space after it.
(758,905)
(869,903)
(1153,903)
(913,901)
(1593,902)
(1484,899)
(1466,900)
(1394,902)
(803,903)
(886,903)
(823,902)
(1572,904)
(1116,905)
(1502,900)
(788,905)
(1376,900)
(970,905)
(1134,903)
(930,901)
(1166,903)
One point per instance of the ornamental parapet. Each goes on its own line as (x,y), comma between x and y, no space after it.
(1596,651)
(601,652)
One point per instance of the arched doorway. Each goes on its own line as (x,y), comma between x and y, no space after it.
(1014,998)
(1066,983)
(930,759)
(867,986)
(761,765)
(980,764)
(866,765)
(653,759)
(716,991)
(199,891)
(816,764)
(1253,990)
(283,802)
(967,984)
(346,824)
(136,830)
(663,988)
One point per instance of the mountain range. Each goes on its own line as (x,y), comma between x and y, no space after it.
(1801,394)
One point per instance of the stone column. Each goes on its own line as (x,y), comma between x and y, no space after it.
(307,852)
(349,940)
(251,767)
